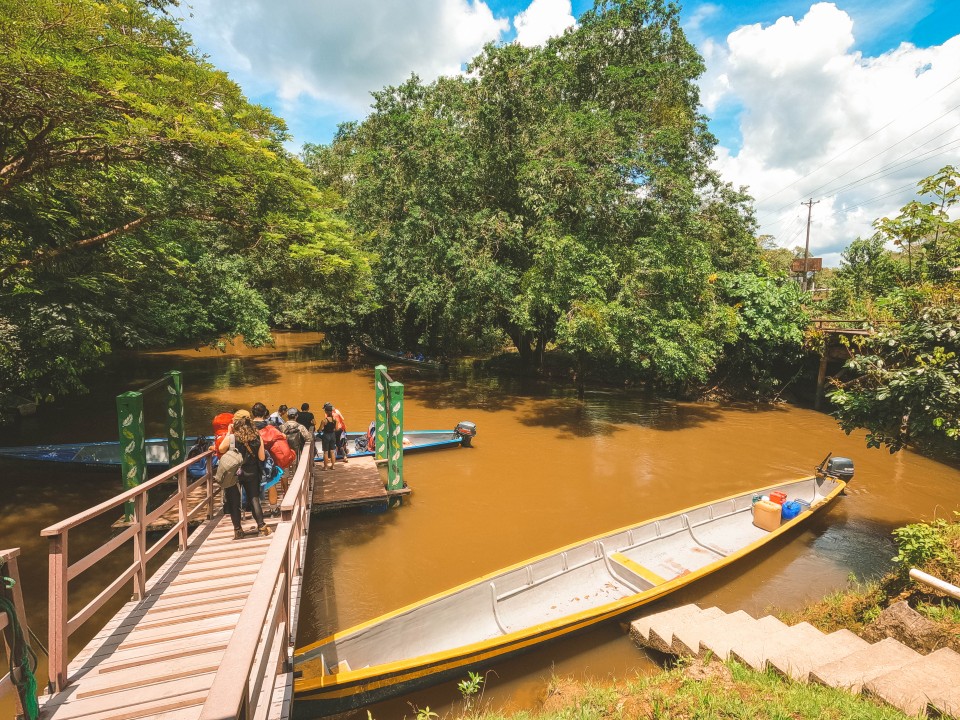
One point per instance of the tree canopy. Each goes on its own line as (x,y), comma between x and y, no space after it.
(556,196)
(143,199)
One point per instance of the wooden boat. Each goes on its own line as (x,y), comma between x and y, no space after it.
(91,456)
(544,598)
(398,357)
(106,455)
(413,440)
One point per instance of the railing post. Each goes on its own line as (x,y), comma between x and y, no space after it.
(395,438)
(133,454)
(209,478)
(182,488)
(380,412)
(59,607)
(140,546)
(176,445)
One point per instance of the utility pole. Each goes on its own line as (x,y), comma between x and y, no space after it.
(806,248)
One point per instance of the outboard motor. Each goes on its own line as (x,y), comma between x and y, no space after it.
(466,430)
(838,468)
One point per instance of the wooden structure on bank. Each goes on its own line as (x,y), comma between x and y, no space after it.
(208,636)
(836,346)
(357,483)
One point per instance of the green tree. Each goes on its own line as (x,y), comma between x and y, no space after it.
(556,195)
(906,384)
(143,199)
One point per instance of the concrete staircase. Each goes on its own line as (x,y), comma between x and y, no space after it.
(916,684)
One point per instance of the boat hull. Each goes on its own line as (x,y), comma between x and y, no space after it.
(524,611)
(106,455)
(399,358)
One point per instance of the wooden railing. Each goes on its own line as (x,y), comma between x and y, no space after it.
(261,647)
(62,626)
(8,567)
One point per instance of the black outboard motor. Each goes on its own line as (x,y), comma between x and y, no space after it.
(838,468)
(467,431)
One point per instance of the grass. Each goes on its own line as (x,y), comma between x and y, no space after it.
(716,690)
(699,690)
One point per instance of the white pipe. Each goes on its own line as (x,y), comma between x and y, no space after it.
(941,585)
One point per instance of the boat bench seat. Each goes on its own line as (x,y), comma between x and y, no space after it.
(633,572)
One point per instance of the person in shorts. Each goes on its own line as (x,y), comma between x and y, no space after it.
(328,438)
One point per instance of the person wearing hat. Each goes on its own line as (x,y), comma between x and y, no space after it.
(297,438)
(244,438)
(341,431)
(328,437)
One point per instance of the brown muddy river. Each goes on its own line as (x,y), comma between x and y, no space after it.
(545,470)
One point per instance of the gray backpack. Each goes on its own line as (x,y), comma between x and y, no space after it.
(228,467)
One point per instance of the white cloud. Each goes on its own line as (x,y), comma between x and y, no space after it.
(336,52)
(821,121)
(542,20)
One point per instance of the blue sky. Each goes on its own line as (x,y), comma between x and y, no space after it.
(848,102)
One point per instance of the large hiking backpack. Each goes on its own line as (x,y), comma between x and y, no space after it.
(294,438)
(276,444)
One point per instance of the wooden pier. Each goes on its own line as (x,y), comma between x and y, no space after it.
(356,483)
(209,636)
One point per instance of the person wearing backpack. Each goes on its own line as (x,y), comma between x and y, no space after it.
(340,433)
(245,439)
(275,442)
(297,438)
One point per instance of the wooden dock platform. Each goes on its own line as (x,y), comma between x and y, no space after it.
(357,483)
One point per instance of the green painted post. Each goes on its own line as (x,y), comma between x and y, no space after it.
(395,438)
(133,454)
(380,412)
(176,442)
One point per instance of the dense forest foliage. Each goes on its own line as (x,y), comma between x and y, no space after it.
(143,200)
(562,197)
(556,198)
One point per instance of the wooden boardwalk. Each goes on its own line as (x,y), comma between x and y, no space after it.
(353,484)
(209,636)
(158,656)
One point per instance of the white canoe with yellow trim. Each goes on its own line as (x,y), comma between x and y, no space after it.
(546,597)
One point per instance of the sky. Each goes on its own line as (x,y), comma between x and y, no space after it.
(847,104)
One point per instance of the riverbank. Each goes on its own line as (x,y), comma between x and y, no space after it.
(699,689)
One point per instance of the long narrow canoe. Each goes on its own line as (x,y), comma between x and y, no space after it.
(544,598)
(398,357)
(106,455)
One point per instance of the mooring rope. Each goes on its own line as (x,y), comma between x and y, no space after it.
(23,660)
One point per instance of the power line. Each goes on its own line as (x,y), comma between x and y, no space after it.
(859,142)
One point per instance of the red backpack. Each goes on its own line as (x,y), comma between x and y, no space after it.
(276,444)
(221,426)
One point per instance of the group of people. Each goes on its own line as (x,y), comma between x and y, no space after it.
(253,442)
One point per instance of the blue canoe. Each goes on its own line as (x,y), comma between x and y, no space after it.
(106,455)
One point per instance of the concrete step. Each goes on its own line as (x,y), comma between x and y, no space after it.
(852,671)
(801,659)
(753,649)
(932,679)
(718,637)
(640,628)
(665,635)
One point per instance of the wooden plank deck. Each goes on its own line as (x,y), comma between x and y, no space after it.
(157,657)
(354,484)
(170,518)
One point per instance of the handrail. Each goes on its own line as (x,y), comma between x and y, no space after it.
(254,648)
(8,558)
(935,582)
(61,572)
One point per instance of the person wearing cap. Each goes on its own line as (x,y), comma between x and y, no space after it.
(341,430)
(297,437)
(328,437)
(244,438)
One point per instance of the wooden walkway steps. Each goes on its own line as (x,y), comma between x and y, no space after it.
(888,670)
(208,636)
(158,656)
(355,483)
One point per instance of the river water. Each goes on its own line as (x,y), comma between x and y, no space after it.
(545,470)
